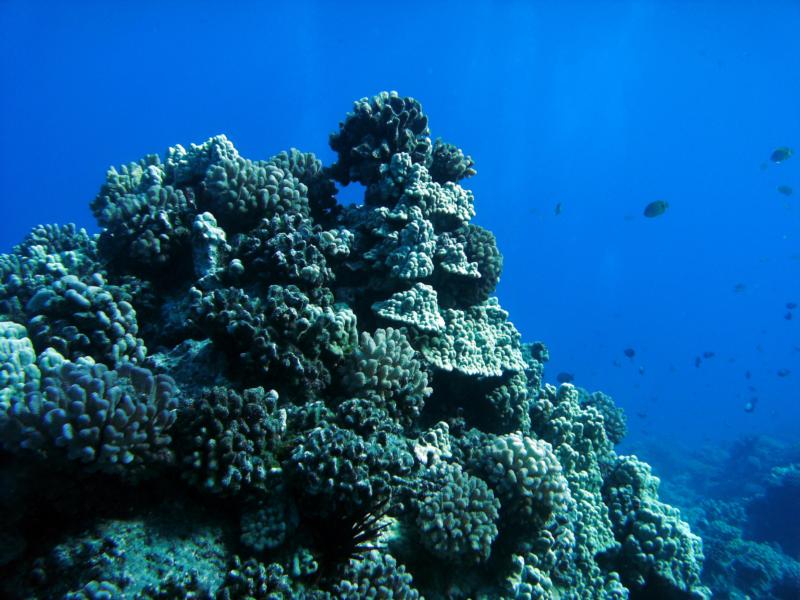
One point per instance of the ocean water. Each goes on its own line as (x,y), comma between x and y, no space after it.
(577,116)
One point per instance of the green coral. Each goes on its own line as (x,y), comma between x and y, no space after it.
(614,420)
(378,128)
(113,421)
(527,477)
(225,439)
(255,580)
(477,341)
(446,205)
(654,541)
(280,333)
(376,575)
(342,472)
(578,439)
(384,369)
(309,171)
(48,253)
(17,363)
(85,318)
(418,307)
(457,515)
(267,526)
(509,401)
(449,163)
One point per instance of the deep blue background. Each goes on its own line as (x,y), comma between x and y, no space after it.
(603,107)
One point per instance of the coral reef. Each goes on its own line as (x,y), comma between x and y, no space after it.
(242,389)
(742,500)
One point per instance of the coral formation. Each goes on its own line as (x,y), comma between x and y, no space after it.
(457,516)
(653,539)
(377,129)
(109,420)
(333,389)
(385,370)
(225,439)
(741,499)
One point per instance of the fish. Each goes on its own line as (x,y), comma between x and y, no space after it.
(781,154)
(557,209)
(629,352)
(747,375)
(739,287)
(783,372)
(656,209)
(641,370)
(750,405)
(791,305)
(788,316)
(697,361)
(709,354)
(786,190)
(565,377)
(641,414)
(616,363)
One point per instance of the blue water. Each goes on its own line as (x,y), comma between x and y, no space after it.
(602,107)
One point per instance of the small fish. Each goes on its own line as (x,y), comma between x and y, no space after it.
(747,375)
(616,363)
(656,209)
(708,354)
(629,352)
(781,154)
(788,316)
(791,305)
(750,405)
(641,414)
(786,190)
(697,361)
(740,287)
(783,372)
(565,377)
(641,370)
(557,209)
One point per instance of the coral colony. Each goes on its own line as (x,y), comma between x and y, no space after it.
(243,389)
